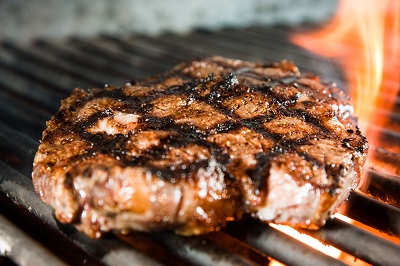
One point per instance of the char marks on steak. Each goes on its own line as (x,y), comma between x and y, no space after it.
(200,145)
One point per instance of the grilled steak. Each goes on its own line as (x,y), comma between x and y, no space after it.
(200,145)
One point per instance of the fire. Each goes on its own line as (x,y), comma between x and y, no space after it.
(364,38)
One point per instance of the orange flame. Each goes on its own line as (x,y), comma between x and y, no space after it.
(364,37)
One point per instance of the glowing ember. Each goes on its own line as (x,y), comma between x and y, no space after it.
(365,38)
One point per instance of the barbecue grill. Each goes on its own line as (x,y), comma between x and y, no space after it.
(34,77)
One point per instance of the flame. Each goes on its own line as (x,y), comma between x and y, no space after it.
(364,38)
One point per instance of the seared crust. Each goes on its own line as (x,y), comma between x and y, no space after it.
(200,145)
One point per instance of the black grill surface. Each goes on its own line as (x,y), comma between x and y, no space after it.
(34,78)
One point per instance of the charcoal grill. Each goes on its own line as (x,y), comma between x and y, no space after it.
(34,77)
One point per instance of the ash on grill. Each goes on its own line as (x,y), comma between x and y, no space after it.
(35,77)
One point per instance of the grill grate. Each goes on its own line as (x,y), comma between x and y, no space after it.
(36,76)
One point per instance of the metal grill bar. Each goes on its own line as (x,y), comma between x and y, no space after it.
(17,150)
(381,186)
(108,49)
(372,212)
(152,56)
(280,246)
(22,249)
(28,88)
(385,161)
(48,61)
(29,69)
(358,242)
(109,70)
(35,232)
(203,250)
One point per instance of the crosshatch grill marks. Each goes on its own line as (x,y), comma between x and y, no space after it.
(211,104)
(213,132)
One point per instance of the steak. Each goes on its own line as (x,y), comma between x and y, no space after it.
(204,143)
